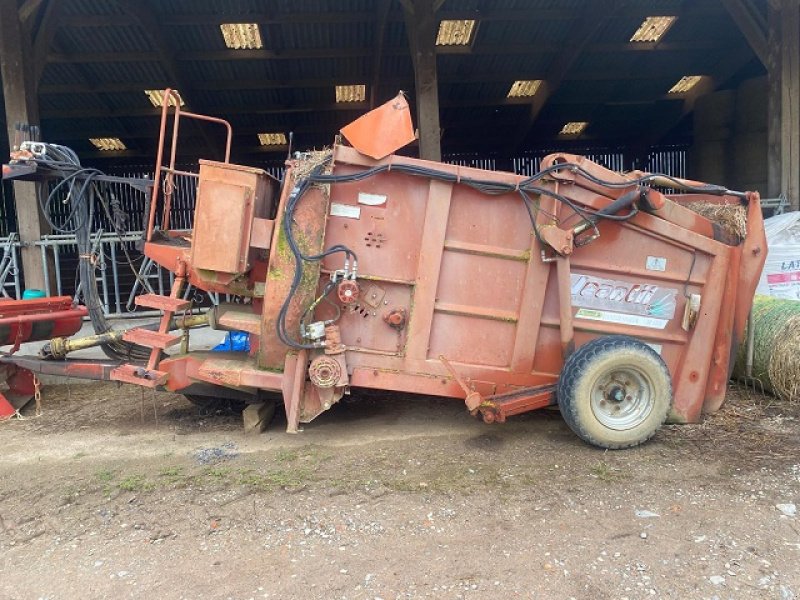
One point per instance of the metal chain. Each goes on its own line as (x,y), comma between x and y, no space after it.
(37,395)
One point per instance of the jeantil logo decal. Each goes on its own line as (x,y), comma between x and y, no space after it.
(645,299)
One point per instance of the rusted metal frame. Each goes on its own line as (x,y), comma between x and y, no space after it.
(233,373)
(671,232)
(169,186)
(168,257)
(537,275)
(725,343)
(378,278)
(77,312)
(166,317)
(171,171)
(432,368)
(691,375)
(473,311)
(159,161)
(239,374)
(754,254)
(631,272)
(486,250)
(310,225)
(294,381)
(434,385)
(99,370)
(437,211)
(522,401)
(590,195)
(350,156)
(566,327)
(600,328)
(179,172)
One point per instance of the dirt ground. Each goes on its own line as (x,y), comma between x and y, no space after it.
(112,493)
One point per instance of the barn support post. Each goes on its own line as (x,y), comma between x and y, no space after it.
(783,102)
(21,106)
(422,26)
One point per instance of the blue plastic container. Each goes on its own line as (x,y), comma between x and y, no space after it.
(33,294)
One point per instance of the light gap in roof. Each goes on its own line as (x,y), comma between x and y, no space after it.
(272,139)
(156,97)
(455,32)
(685,83)
(574,128)
(242,36)
(653,29)
(351,93)
(108,144)
(524,88)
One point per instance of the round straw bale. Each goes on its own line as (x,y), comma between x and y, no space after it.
(776,347)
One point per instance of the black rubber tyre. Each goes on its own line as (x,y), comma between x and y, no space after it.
(614,392)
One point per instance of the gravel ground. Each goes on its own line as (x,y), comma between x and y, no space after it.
(112,493)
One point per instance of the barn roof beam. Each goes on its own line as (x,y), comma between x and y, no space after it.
(590,24)
(751,24)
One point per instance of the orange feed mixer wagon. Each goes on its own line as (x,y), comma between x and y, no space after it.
(578,286)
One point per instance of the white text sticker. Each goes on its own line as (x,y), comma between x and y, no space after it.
(347,211)
(371,199)
(656,263)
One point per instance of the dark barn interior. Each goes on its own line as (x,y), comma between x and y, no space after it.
(697,88)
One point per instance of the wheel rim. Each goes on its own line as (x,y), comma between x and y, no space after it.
(622,398)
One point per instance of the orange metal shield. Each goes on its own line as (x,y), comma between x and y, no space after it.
(382,131)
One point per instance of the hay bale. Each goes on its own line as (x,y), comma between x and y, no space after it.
(731,217)
(309,161)
(776,348)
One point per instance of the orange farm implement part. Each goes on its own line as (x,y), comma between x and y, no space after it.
(577,286)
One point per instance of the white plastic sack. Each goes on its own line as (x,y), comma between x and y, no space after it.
(781,275)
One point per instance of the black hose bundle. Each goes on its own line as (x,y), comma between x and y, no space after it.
(84,195)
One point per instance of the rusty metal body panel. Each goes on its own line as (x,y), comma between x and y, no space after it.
(466,267)
(229,199)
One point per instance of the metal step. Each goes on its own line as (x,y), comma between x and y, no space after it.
(151,339)
(237,317)
(165,303)
(137,375)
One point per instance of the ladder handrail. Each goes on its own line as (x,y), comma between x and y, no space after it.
(170,94)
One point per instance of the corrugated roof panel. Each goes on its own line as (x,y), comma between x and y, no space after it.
(468,92)
(394,35)
(232,70)
(120,72)
(96,125)
(48,102)
(91,7)
(102,39)
(356,68)
(220,99)
(60,74)
(240,7)
(298,36)
(624,63)
(515,66)
(397,66)
(493,33)
(190,38)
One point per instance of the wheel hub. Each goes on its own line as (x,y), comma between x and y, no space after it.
(622,398)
